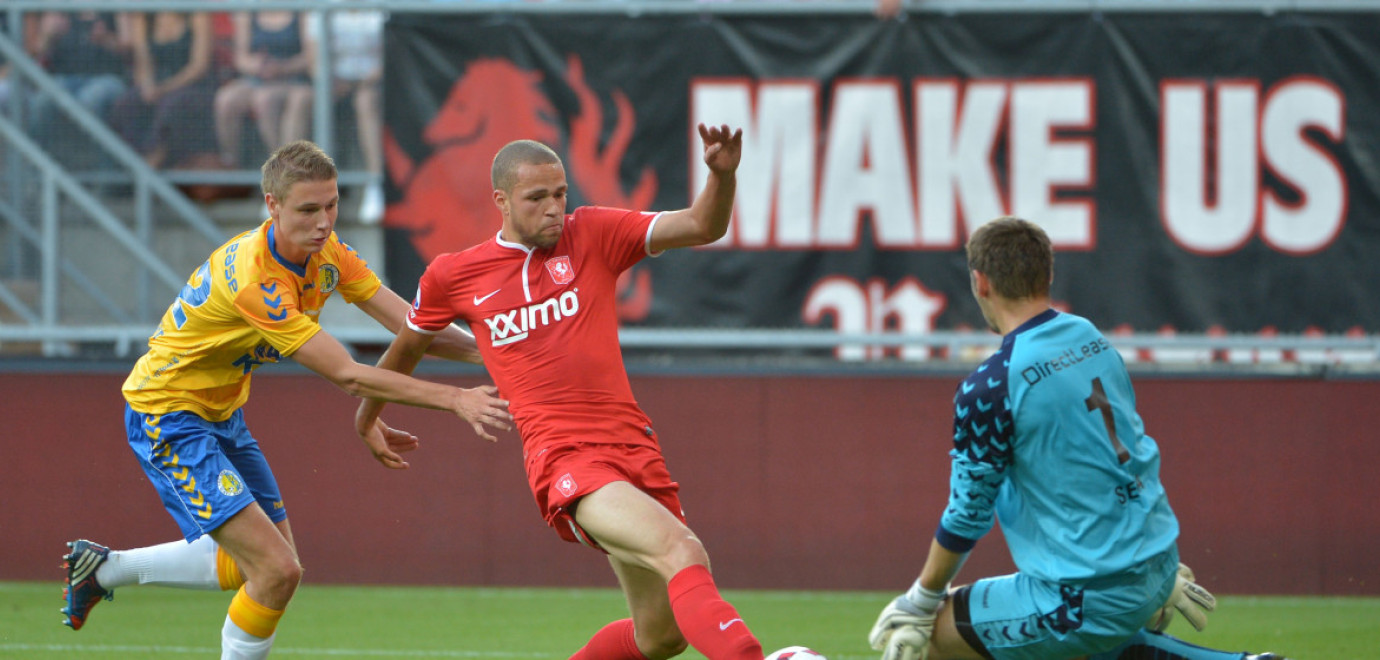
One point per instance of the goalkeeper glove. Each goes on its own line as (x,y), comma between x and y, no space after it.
(903,629)
(1189,599)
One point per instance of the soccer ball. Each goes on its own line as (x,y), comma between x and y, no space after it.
(796,653)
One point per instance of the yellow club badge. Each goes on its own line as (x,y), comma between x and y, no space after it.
(229,484)
(328,278)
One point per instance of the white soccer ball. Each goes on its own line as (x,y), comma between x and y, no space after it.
(796,653)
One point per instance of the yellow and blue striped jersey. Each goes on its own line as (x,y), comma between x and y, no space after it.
(245,306)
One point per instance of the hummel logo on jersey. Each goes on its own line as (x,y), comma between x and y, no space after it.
(479,300)
(513,326)
(723,625)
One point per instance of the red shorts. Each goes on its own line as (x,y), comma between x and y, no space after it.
(561,475)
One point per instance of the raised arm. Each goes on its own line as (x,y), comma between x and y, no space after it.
(707,218)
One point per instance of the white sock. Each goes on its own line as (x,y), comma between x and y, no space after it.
(175,564)
(236,644)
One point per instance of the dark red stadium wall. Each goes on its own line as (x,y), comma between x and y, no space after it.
(792,482)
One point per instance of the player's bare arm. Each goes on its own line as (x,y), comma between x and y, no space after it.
(387,444)
(941,567)
(453,343)
(707,218)
(326,356)
(384,442)
(480,406)
(371,429)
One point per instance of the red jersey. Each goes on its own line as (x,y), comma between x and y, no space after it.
(545,323)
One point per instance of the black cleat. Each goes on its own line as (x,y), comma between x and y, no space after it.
(81,590)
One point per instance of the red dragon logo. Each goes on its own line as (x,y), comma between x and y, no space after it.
(446,204)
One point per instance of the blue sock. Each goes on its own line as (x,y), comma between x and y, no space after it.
(1146,645)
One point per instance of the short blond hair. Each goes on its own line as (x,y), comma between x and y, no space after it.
(296,161)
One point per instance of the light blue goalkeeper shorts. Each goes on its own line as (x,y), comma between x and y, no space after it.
(205,472)
(1016,617)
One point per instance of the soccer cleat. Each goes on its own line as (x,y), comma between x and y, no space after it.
(1264,656)
(81,590)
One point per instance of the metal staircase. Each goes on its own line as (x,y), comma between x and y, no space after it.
(73,266)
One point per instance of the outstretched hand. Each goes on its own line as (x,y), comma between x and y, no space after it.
(722,149)
(387,443)
(482,408)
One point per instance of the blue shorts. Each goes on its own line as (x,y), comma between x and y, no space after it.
(1016,617)
(205,472)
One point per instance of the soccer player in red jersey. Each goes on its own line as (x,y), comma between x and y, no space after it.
(539,297)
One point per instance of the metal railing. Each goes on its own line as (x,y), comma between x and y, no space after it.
(38,183)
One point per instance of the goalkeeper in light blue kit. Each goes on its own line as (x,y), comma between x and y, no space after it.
(1047,440)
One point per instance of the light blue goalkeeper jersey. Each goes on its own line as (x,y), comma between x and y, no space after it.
(1047,440)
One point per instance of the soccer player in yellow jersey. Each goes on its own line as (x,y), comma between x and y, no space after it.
(255,300)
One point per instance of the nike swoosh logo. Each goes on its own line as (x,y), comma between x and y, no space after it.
(479,301)
(724,626)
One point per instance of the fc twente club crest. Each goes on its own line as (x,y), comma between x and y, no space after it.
(561,270)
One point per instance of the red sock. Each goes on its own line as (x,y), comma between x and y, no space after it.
(613,642)
(708,622)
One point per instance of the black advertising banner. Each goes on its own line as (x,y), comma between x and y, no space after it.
(1197,172)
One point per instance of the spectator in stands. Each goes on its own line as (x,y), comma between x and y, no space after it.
(274,57)
(85,53)
(888,8)
(357,69)
(166,115)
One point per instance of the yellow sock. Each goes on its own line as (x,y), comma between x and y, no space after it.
(252,617)
(227,571)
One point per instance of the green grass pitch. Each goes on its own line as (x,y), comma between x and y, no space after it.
(343,622)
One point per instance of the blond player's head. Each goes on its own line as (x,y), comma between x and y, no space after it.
(293,162)
(299,182)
